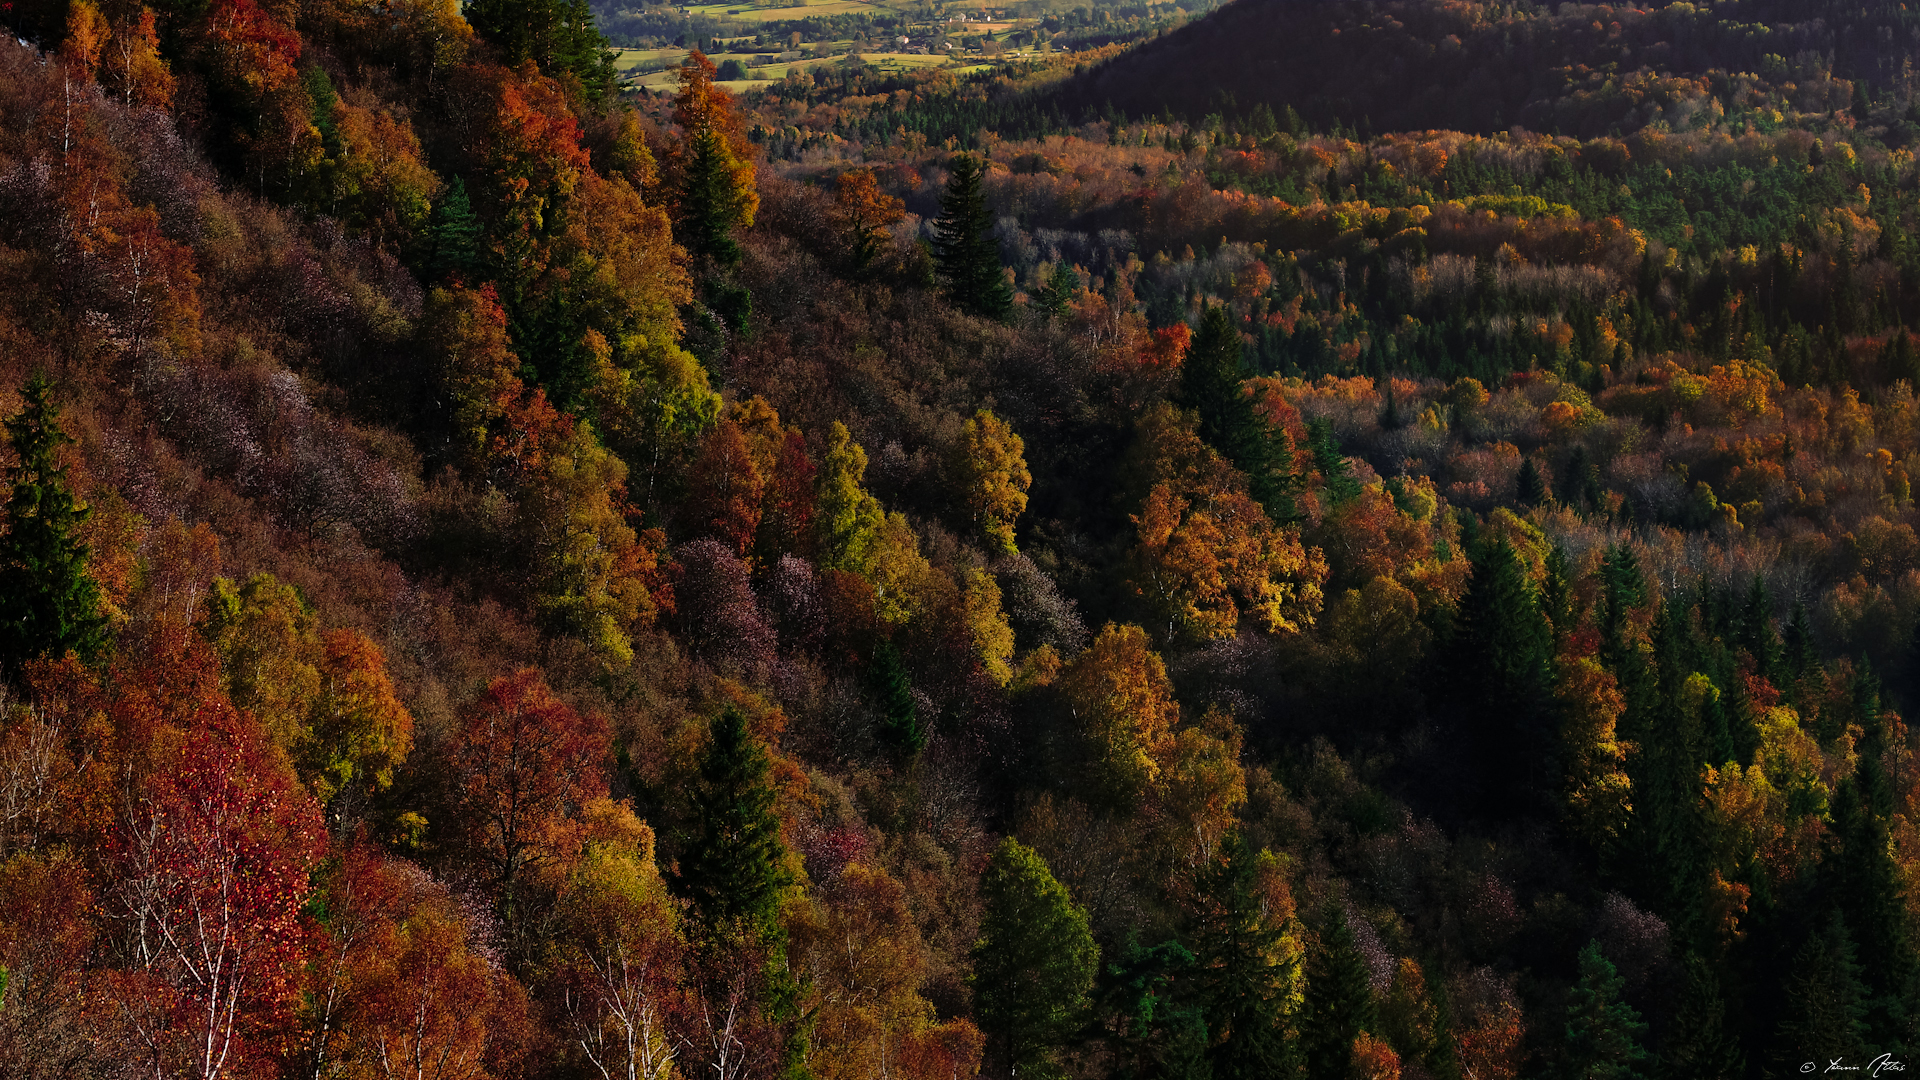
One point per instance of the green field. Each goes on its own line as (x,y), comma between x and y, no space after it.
(667,79)
(750,13)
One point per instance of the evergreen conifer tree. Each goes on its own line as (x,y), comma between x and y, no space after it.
(453,235)
(1866,885)
(1339,1003)
(963,244)
(1697,1045)
(1210,384)
(558,35)
(1033,965)
(1341,486)
(899,721)
(1531,487)
(1052,300)
(1826,1004)
(710,198)
(49,603)
(1501,655)
(1603,1032)
(1556,593)
(1154,1025)
(1242,985)
(1757,635)
(1802,655)
(734,870)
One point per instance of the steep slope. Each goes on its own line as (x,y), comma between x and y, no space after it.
(1577,69)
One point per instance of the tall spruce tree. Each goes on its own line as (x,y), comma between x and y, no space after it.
(1052,299)
(710,199)
(1603,1031)
(1341,486)
(963,244)
(453,236)
(1500,667)
(734,870)
(1531,487)
(1697,1044)
(1243,984)
(49,603)
(1865,883)
(899,719)
(560,36)
(1210,384)
(1034,964)
(1339,1000)
(1826,1004)
(1154,1025)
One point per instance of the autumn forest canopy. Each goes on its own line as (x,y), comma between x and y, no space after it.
(1355,540)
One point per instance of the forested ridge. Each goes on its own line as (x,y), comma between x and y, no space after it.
(1399,563)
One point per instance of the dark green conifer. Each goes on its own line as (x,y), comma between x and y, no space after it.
(1210,384)
(453,236)
(1500,665)
(1865,884)
(1243,991)
(559,36)
(1153,1023)
(1603,1031)
(964,247)
(49,603)
(1802,655)
(899,719)
(1757,635)
(1697,1045)
(1826,1004)
(1339,999)
(734,870)
(1341,486)
(1531,487)
(711,200)
(1556,593)
(1033,965)
(1052,300)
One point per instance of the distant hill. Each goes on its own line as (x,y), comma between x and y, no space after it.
(1583,70)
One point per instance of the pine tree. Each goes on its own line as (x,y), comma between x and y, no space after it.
(1033,965)
(1802,655)
(453,235)
(1531,487)
(1155,1027)
(1757,635)
(1243,984)
(1341,486)
(899,720)
(1556,593)
(963,244)
(1603,1032)
(49,604)
(1865,882)
(1339,1002)
(734,870)
(1826,1007)
(1210,384)
(1696,1045)
(1052,300)
(1500,665)
(710,217)
(558,35)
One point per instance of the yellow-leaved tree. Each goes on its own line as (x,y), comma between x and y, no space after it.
(990,467)
(1205,554)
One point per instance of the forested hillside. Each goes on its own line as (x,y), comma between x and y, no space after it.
(1342,541)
